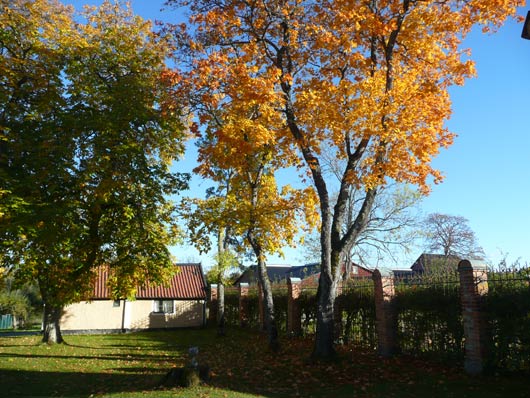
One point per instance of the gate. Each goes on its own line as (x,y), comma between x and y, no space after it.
(6,321)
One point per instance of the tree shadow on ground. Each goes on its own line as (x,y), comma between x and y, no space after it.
(16,383)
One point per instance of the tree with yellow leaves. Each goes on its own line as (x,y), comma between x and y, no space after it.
(367,79)
(251,207)
(86,142)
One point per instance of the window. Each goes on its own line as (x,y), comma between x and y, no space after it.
(163,306)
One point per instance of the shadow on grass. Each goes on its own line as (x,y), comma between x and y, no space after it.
(241,367)
(108,357)
(16,383)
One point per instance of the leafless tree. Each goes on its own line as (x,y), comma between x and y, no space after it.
(451,236)
(393,224)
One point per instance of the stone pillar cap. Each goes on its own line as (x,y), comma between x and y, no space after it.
(214,285)
(383,272)
(472,264)
(243,284)
(295,280)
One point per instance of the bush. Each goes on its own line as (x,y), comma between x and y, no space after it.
(308,311)
(507,306)
(356,304)
(16,304)
(429,318)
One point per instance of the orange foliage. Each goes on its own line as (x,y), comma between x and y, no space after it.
(342,72)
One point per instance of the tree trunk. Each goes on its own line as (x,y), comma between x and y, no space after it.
(268,304)
(220,308)
(325,331)
(52,330)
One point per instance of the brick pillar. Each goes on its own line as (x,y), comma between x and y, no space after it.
(386,317)
(473,285)
(261,308)
(243,304)
(212,305)
(294,314)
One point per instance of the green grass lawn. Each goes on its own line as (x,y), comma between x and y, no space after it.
(132,365)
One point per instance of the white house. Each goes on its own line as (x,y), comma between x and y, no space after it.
(180,304)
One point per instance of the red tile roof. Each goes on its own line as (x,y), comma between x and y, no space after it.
(187,283)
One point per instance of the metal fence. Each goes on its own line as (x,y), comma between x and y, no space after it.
(429,320)
(507,309)
(428,315)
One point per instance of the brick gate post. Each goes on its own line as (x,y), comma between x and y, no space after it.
(474,285)
(294,314)
(385,314)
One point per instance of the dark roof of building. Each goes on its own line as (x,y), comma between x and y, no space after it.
(187,283)
(303,271)
(428,262)
(276,273)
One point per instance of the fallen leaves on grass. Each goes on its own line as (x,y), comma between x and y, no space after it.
(243,363)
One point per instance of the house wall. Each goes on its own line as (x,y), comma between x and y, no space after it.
(187,314)
(98,314)
(360,272)
(102,315)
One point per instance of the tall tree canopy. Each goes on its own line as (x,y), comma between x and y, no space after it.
(367,79)
(87,136)
(451,236)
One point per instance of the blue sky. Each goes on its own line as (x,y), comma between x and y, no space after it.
(487,169)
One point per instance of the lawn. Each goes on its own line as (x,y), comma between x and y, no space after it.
(132,365)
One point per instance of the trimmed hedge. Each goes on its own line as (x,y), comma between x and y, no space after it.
(429,320)
(507,307)
(428,313)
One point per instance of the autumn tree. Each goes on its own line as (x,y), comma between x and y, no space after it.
(251,207)
(451,236)
(86,143)
(366,79)
(204,218)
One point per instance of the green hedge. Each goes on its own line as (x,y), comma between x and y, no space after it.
(429,320)
(357,305)
(428,313)
(232,306)
(308,311)
(507,306)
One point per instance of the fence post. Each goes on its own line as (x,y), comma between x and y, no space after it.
(294,314)
(385,314)
(212,307)
(243,304)
(474,285)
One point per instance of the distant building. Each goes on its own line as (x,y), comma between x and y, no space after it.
(308,273)
(276,273)
(435,263)
(402,273)
(304,271)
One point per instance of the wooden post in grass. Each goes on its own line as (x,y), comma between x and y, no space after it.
(474,285)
